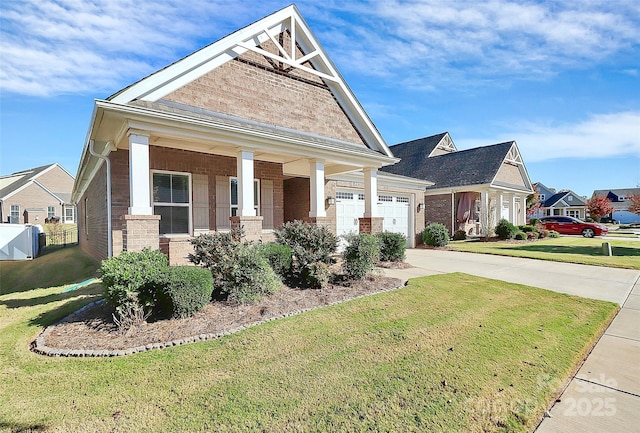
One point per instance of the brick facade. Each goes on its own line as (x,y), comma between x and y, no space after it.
(140,231)
(370,225)
(251,87)
(438,210)
(92,217)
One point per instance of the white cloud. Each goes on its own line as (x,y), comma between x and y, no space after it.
(599,136)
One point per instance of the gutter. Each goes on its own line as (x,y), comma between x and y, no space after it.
(109,231)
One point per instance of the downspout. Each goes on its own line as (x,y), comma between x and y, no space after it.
(453,212)
(109,231)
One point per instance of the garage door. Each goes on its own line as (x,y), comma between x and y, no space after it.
(393,208)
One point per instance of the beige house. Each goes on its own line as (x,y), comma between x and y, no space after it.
(254,130)
(36,195)
(471,189)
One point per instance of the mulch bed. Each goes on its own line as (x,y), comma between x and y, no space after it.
(91,331)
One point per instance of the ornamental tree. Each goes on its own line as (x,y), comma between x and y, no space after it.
(599,206)
(533,202)
(634,203)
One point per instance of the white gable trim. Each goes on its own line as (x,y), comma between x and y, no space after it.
(513,157)
(446,144)
(175,76)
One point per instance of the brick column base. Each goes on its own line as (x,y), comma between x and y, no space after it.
(252,226)
(140,231)
(370,225)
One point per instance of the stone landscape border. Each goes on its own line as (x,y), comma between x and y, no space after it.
(38,345)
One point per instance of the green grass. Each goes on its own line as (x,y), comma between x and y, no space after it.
(446,353)
(626,253)
(58,267)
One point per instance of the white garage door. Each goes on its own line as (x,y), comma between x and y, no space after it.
(393,208)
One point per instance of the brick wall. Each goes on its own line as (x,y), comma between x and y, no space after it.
(297,192)
(31,197)
(251,87)
(56,180)
(93,204)
(438,210)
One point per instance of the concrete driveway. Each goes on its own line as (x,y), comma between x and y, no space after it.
(605,393)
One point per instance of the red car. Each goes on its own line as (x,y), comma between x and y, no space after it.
(573,226)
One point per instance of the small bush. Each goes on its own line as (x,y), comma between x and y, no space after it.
(506,230)
(317,275)
(310,244)
(280,257)
(520,235)
(250,277)
(182,291)
(534,221)
(542,233)
(533,235)
(554,234)
(436,235)
(127,277)
(361,255)
(459,235)
(392,246)
(527,229)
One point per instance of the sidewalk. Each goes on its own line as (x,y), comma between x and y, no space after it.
(604,396)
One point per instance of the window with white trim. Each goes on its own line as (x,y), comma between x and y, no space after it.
(570,198)
(541,198)
(68,214)
(172,201)
(86,216)
(51,211)
(14,216)
(573,213)
(402,199)
(340,195)
(233,185)
(385,198)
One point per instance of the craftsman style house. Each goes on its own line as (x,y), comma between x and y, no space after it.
(471,189)
(254,130)
(564,202)
(37,195)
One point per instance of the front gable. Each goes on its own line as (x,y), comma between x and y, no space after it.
(272,71)
(512,172)
(444,146)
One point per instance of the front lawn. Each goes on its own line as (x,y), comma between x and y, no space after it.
(571,249)
(446,353)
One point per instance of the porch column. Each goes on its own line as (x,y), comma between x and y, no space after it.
(246,217)
(513,210)
(245,183)
(316,209)
(484,212)
(139,186)
(501,208)
(523,209)
(370,223)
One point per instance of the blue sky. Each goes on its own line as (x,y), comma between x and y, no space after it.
(562,78)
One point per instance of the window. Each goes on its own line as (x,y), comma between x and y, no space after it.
(51,211)
(345,195)
(14,217)
(402,199)
(570,198)
(573,213)
(86,216)
(541,198)
(385,198)
(68,214)
(234,196)
(172,201)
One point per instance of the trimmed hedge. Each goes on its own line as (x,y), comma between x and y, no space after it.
(183,291)
(392,246)
(520,235)
(436,235)
(459,235)
(251,277)
(361,255)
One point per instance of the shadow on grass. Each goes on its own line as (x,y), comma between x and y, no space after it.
(22,428)
(91,289)
(54,315)
(579,250)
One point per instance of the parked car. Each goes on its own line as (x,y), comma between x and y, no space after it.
(573,226)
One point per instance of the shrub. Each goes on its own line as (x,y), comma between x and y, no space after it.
(436,235)
(392,246)
(250,277)
(128,275)
(527,229)
(554,234)
(182,291)
(459,235)
(520,235)
(310,244)
(533,235)
(361,255)
(506,230)
(534,221)
(542,233)
(317,275)
(280,257)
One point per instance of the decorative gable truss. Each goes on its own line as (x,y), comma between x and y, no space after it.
(513,172)
(444,146)
(297,48)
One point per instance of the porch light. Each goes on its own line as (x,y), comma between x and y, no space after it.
(420,206)
(331,201)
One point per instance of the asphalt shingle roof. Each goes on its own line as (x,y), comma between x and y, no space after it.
(22,178)
(466,167)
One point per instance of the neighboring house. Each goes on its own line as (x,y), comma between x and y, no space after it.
(33,195)
(564,202)
(620,202)
(472,189)
(254,130)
